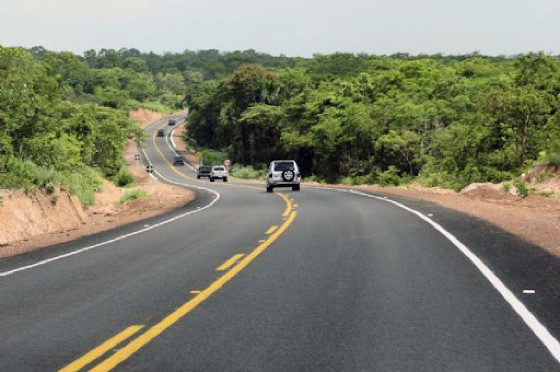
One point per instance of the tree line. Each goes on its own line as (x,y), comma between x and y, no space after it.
(370,119)
(64,118)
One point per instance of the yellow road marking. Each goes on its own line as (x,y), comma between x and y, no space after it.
(271,230)
(195,292)
(226,265)
(189,177)
(288,204)
(136,344)
(296,205)
(101,349)
(261,240)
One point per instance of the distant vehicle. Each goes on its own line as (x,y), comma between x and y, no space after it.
(171,122)
(203,171)
(283,173)
(161,133)
(219,171)
(179,160)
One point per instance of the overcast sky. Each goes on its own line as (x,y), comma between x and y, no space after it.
(291,27)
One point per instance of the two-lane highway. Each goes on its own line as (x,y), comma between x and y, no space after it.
(245,280)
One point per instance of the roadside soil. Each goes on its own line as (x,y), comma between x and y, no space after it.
(66,219)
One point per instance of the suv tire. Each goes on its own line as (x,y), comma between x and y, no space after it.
(288,175)
(295,188)
(224,179)
(269,189)
(211,179)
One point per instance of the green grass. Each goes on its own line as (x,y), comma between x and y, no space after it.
(133,195)
(21,174)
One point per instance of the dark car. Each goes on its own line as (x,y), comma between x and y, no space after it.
(179,160)
(203,171)
(171,122)
(161,133)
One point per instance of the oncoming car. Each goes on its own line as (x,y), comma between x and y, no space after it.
(179,160)
(161,133)
(283,173)
(218,171)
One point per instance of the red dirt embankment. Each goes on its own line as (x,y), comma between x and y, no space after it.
(38,220)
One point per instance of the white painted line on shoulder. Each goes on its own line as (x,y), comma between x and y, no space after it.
(121,237)
(530,291)
(171,137)
(532,322)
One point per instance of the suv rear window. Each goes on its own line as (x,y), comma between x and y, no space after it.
(219,168)
(283,165)
(204,168)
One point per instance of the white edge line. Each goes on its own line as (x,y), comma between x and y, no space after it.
(85,249)
(532,322)
(171,137)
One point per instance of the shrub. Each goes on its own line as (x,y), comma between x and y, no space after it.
(389,177)
(248,172)
(133,195)
(122,178)
(506,187)
(521,188)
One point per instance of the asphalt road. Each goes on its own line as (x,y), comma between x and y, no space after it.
(319,279)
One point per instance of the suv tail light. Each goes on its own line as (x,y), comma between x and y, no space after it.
(270,175)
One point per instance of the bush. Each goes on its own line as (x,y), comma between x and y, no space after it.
(248,172)
(521,188)
(506,187)
(132,195)
(389,177)
(122,178)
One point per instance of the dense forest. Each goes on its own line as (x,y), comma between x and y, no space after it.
(448,121)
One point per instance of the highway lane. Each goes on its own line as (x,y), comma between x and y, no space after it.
(351,283)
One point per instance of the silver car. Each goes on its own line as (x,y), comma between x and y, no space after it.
(283,173)
(218,171)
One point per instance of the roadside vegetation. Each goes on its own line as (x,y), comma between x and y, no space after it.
(446,121)
(132,195)
(442,120)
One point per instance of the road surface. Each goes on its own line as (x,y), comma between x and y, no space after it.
(319,279)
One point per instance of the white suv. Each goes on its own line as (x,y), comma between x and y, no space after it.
(283,173)
(218,171)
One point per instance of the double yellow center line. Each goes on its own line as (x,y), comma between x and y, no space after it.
(136,344)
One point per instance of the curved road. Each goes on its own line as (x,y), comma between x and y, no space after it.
(319,279)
